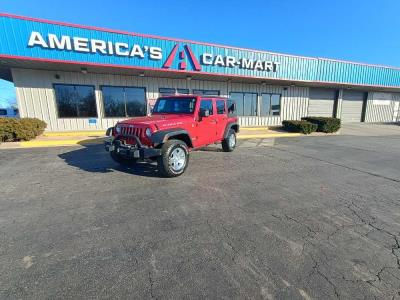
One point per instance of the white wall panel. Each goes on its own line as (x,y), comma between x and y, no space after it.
(396,109)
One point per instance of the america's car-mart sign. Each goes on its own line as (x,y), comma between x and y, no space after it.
(123,49)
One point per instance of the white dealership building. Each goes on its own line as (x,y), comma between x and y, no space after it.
(78,77)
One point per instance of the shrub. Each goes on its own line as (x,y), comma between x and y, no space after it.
(325,124)
(299,126)
(24,129)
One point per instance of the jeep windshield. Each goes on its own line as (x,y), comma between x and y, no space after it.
(178,105)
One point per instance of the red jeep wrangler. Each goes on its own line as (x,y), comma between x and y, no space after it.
(177,125)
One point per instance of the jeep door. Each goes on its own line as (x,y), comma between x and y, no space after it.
(221,118)
(205,132)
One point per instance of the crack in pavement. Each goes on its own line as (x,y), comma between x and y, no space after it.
(395,246)
(316,269)
(151,286)
(370,221)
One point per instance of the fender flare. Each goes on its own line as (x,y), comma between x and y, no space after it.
(229,127)
(160,137)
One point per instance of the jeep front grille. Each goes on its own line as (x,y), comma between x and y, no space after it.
(127,130)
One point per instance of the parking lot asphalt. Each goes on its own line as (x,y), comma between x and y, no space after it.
(306,218)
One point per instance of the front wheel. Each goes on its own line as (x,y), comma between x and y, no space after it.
(174,158)
(229,143)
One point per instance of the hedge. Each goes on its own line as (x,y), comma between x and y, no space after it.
(24,129)
(299,126)
(325,124)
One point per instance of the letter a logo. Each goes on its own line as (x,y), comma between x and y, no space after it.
(186,52)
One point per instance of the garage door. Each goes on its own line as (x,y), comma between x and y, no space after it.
(322,102)
(352,106)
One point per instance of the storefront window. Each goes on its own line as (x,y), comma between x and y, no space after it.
(166,91)
(206,92)
(172,91)
(270,104)
(246,103)
(124,101)
(182,91)
(75,101)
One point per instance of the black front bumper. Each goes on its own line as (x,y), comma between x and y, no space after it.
(137,151)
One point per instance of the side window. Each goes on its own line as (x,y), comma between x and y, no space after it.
(206,104)
(3,112)
(220,107)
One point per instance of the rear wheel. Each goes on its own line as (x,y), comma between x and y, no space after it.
(122,160)
(229,143)
(174,158)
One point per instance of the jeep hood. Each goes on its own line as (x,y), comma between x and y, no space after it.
(161,121)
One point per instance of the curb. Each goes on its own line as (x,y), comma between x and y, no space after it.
(75,133)
(102,132)
(34,144)
(100,140)
(259,128)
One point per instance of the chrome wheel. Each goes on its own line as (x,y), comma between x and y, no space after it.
(232,141)
(177,159)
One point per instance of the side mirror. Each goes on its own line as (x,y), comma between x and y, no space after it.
(109,131)
(204,113)
(232,108)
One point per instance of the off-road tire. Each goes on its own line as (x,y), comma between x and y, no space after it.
(121,160)
(172,147)
(227,144)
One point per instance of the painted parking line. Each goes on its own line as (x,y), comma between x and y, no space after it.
(267,135)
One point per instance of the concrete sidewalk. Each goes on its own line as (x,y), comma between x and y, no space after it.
(56,139)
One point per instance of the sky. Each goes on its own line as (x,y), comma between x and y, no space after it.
(356,30)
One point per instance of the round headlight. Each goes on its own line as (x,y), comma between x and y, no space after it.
(148,132)
(117,129)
